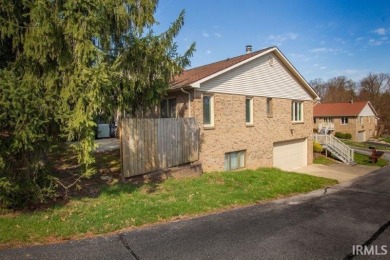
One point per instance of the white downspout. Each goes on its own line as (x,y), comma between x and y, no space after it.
(189,101)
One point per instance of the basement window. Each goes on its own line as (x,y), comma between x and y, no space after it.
(234,160)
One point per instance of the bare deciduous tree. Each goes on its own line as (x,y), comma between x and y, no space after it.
(373,86)
(319,86)
(339,89)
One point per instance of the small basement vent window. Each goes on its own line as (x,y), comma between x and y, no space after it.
(234,160)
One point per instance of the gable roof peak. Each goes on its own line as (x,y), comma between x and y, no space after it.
(196,76)
(187,77)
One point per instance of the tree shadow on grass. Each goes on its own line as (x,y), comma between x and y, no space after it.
(106,181)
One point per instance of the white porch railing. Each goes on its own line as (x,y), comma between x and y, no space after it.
(336,147)
(325,127)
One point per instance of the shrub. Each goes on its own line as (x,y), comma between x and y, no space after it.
(339,135)
(343,135)
(348,136)
(24,180)
(317,147)
(26,189)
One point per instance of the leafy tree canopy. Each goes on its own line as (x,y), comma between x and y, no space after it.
(63,63)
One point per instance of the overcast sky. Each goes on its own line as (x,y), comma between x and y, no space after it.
(322,38)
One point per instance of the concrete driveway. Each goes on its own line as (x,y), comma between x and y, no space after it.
(324,224)
(337,171)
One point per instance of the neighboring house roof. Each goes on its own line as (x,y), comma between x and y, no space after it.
(341,109)
(193,77)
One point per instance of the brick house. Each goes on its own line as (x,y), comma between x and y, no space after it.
(357,118)
(253,110)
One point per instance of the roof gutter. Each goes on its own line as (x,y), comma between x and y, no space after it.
(317,101)
(189,101)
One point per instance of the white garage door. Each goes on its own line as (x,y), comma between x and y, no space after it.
(291,154)
(361,136)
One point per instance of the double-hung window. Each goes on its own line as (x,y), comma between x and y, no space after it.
(344,120)
(297,111)
(249,111)
(208,110)
(168,108)
(328,119)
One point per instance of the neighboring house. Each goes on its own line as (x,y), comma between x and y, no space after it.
(357,118)
(253,110)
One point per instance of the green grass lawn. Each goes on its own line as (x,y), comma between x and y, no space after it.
(365,160)
(128,205)
(365,145)
(322,159)
(386,139)
(359,159)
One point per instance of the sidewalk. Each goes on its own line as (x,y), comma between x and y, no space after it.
(337,171)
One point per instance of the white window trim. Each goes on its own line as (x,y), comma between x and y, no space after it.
(250,110)
(239,162)
(211,110)
(343,123)
(361,120)
(293,112)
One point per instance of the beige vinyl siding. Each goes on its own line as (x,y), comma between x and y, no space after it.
(367,111)
(259,78)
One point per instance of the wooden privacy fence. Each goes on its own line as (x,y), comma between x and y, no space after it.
(149,145)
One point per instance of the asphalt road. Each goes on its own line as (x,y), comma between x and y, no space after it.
(323,224)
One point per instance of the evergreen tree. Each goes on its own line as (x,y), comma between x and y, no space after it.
(66,63)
